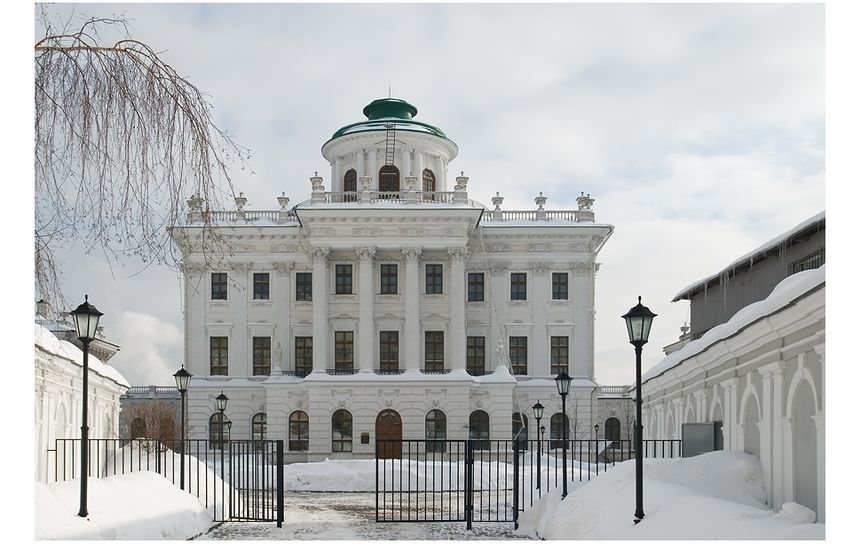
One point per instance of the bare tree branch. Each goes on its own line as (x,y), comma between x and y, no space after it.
(121,141)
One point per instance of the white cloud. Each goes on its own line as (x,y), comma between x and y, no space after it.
(151,349)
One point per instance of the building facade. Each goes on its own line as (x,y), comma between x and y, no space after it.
(390,306)
(59,389)
(759,375)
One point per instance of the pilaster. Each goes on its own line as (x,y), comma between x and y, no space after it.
(365,255)
(457,301)
(320,312)
(411,307)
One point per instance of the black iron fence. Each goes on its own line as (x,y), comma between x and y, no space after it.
(244,481)
(488,480)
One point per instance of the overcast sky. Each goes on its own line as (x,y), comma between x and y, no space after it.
(699,131)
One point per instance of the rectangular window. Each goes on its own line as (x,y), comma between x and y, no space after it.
(303,286)
(433,279)
(303,355)
(475,355)
(261,356)
(219,286)
(518,354)
(559,354)
(344,350)
(519,286)
(261,286)
(218,355)
(388,351)
(433,351)
(343,279)
(475,287)
(809,262)
(560,286)
(388,279)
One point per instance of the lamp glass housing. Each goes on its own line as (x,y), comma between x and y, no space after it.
(86,318)
(182,378)
(564,381)
(221,402)
(639,322)
(538,410)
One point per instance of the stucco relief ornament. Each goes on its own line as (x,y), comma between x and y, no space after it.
(496,201)
(411,253)
(283,201)
(241,201)
(320,254)
(195,203)
(457,254)
(585,203)
(540,200)
(365,254)
(365,183)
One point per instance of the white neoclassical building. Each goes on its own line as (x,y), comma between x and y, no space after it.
(760,374)
(391,305)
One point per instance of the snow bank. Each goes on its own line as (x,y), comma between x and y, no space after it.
(138,506)
(712,496)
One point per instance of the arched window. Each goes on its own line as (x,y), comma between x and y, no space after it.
(218,431)
(429,183)
(480,430)
(559,426)
(139,428)
(258,428)
(350,185)
(297,431)
(519,429)
(342,431)
(612,431)
(435,431)
(389,179)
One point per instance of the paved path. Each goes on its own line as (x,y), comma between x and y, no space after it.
(350,516)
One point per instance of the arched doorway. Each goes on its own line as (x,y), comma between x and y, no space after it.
(612,431)
(480,430)
(804,448)
(389,179)
(387,430)
(350,185)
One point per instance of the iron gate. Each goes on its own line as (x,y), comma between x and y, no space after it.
(244,481)
(487,480)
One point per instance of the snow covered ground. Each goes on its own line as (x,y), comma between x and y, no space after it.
(712,496)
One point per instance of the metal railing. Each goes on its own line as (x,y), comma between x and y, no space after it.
(488,480)
(436,197)
(296,373)
(242,482)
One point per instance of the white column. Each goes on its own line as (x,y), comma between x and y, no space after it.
(406,167)
(457,316)
(280,293)
(731,441)
(420,165)
(777,412)
(363,164)
(786,452)
(337,182)
(539,346)
(411,307)
(820,424)
(366,308)
(699,406)
(583,279)
(372,169)
(441,175)
(320,311)
(676,432)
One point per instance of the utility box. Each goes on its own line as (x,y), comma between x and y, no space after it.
(700,438)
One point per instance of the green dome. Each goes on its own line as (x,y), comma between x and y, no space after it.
(389,107)
(389,111)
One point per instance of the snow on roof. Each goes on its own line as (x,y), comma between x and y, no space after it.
(747,258)
(790,289)
(61,348)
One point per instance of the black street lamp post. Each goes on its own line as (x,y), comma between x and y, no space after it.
(221,404)
(229,425)
(86,318)
(564,381)
(638,322)
(182,377)
(596,428)
(538,410)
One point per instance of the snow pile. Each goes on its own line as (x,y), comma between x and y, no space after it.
(712,496)
(141,505)
(329,475)
(46,340)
